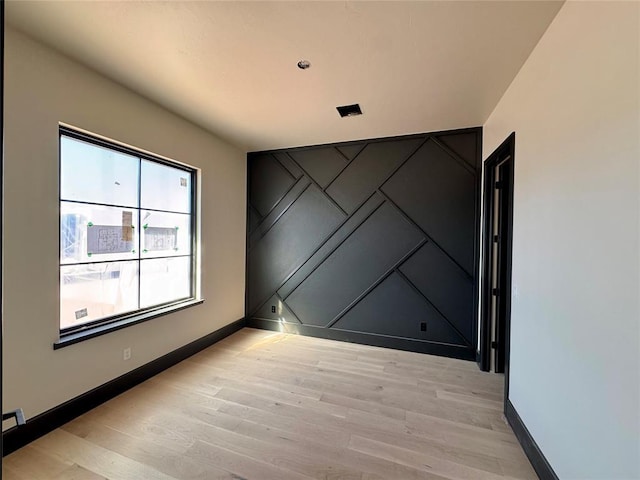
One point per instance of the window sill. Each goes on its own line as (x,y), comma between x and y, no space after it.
(92,332)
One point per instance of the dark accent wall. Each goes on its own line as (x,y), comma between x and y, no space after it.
(377,238)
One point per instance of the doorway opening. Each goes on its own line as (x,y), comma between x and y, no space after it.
(497,233)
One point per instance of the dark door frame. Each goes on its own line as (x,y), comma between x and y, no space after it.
(1,189)
(504,153)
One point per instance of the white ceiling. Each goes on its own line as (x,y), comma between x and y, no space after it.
(230,67)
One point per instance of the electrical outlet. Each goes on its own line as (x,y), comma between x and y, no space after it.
(273,309)
(126,353)
(423,326)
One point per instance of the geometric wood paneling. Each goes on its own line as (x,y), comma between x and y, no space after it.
(374,237)
(445,284)
(260,230)
(268,182)
(366,255)
(442,202)
(290,241)
(462,144)
(276,309)
(322,164)
(340,235)
(287,162)
(371,166)
(350,151)
(392,308)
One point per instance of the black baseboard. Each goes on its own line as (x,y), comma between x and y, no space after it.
(530,447)
(419,346)
(44,423)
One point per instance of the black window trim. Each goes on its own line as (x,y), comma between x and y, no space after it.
(72,335)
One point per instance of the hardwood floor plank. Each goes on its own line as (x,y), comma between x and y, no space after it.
(162,457)
(146,423)
(9,473)
(470,400)
(428,463)
(306,455)
(447,430)
(431,385)
(320,433)
(483,380)
(518,468)
(34,465)
(77,472)
(365,406)
(243,467)
(216,374)
(95,458)
(367,427)
(264,405)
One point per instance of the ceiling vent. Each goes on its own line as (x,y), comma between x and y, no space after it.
(349,110)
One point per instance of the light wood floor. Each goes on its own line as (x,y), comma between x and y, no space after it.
(262,405)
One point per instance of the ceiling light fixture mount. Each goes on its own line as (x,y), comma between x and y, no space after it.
(304,64)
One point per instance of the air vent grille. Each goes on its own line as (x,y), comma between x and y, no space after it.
(349,110)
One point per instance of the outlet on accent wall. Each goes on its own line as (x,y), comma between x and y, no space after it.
(126,353)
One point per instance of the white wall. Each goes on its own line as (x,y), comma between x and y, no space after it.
(43,88)
(575,357)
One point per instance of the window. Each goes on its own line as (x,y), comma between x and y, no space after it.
(127,230)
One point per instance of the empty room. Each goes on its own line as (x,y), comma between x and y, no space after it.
(358,240)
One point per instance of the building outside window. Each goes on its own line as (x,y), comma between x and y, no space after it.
(127,230)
